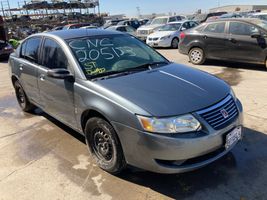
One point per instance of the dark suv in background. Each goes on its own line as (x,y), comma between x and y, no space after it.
(241,40)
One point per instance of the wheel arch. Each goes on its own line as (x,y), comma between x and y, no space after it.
(89,113)
(14,79)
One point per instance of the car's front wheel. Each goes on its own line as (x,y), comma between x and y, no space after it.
(175,43)
(104,145)
(197,56)
(22,99)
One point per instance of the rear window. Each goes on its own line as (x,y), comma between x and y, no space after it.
(215,28)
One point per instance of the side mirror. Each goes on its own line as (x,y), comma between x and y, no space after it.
(60,74)
(256,35)
(183,29)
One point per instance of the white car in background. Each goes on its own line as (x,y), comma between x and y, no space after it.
(144,31)
(123,28)
(260,15)
(168,35)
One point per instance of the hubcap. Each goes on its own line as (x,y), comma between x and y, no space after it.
(103,145)
(196,56)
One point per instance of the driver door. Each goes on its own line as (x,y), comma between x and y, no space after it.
(57,95)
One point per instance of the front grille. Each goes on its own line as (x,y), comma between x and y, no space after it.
(220,115)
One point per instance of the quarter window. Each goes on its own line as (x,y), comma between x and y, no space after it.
(215,28)
(29,50)
(53,56)
(237,28)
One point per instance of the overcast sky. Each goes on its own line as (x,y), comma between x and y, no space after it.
(128,7)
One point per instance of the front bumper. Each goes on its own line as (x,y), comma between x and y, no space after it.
(160,43)
(160,153)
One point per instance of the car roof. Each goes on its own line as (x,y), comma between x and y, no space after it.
(181,22)
(78,33)
(251,20)
(116,26)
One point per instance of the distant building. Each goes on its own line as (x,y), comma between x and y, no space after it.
(239,8)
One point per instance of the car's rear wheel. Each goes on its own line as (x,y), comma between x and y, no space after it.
(104,145)
(175,43)
(197,56)
(22,99)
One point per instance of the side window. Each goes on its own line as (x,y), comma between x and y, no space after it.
(53,55)
(192,24)
(215,28)
(122,29)
(179,18)
(186,25)
(29,50)
(239,28)
(23,49)
(172,19)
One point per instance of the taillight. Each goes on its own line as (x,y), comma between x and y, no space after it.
(182,35)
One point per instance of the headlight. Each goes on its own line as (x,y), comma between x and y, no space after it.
(232,93)
(165,37)
(182,124)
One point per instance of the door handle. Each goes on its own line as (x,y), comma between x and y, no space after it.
(42,77)
(205,37)
(21,67)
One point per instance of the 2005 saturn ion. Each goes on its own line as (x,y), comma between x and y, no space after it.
(133,105)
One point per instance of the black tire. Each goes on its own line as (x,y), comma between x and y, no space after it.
(104,145)
(22,98)
(175,43)
(197,56)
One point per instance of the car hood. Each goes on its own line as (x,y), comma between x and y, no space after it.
(161,34)
(149,27)
(170,90)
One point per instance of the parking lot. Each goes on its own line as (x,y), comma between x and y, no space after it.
(43,159)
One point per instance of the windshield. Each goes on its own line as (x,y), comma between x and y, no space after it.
(112,53)
(159,21)
(200,17)
(112,28)
(170,27)
(262,24)
(263,17)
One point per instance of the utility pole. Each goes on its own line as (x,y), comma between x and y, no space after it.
(98,3)
(138,12)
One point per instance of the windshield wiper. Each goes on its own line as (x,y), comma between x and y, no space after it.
(146,66)
(149,66)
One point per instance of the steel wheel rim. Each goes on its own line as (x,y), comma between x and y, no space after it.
(102,145)
(196,56)
(20,96)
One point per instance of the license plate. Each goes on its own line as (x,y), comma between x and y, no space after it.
(155,44)
(233,137)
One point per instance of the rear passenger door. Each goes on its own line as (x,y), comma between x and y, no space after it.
(57,95)
(242,46)
(214,38)
(28,67)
